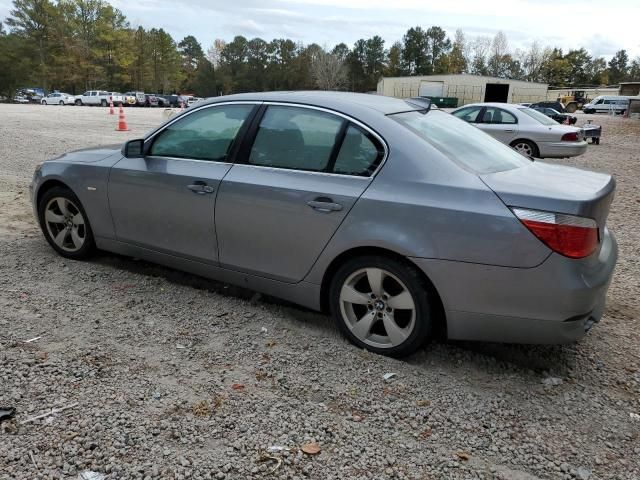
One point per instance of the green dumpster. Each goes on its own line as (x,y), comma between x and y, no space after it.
(444,102)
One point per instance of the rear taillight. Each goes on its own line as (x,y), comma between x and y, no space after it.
(570,137)
(568,235)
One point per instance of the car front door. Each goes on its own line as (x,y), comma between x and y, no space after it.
(166,200)
(298,174)
(499,123)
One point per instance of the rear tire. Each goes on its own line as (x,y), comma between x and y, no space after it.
(61,103)
(65,224)
(382,304)
(526,148)
(103,103)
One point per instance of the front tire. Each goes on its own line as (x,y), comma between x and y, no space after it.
(382,304)
(65,223)
(44,102)
(526,148)
(79,103)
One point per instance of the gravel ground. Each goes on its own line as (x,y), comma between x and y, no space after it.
(168,375)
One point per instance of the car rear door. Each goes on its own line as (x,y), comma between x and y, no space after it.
(499,123)
(298,175)
(166,200)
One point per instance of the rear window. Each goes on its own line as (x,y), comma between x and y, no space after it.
(461,142)
(540,117)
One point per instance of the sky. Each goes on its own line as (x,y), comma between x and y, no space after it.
(600,27)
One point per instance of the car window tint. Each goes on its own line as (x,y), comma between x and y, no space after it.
(461,142)
(296,138)
(358,155)
(468,114)
(495,115)
(206,134)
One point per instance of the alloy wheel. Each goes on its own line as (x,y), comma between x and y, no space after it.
(524,149)
(65,224)
(377,307)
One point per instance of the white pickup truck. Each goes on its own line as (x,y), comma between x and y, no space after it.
(98,97)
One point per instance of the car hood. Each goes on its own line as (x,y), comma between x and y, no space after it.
(555,188)
(89,155)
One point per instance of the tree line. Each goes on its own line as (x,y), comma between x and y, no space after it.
(77,45)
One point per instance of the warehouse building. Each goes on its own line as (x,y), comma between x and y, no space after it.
(464,88)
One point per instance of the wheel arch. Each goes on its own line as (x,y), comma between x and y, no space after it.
(48,185)
(440,323)
(528,140)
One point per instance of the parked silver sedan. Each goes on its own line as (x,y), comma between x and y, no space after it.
(401,221)
(58,98)
(528,131)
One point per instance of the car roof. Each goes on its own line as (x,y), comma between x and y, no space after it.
(346,102)
(496,104)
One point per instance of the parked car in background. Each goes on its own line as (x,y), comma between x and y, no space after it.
(406,220)
(117,98)
(30,94)
(607,104)
(526,130)
(175,100)
(21,99)
(162,102)
(93,98)
(555,105)
(58,98)
(135,99)
(150,100)
(563,118)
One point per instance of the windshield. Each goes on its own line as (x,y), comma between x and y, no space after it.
(540,117)
(461,142)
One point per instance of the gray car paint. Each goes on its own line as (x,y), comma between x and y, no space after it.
(489,270)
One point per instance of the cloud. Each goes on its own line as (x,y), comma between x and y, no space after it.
(328,22)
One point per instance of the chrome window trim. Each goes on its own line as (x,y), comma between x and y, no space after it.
(295,170)
(368,129)
(365,127)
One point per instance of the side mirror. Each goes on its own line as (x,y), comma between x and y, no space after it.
(133,148)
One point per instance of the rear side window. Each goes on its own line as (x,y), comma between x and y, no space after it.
(360,154)
(461,142)
(207,134)
(295,138)
(497,116)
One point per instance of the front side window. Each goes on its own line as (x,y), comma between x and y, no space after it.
(498,116)
(469,114)
(206,134)
(295,138)
(461,142)
(359,154)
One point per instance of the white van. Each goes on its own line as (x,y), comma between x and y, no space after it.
(607,104)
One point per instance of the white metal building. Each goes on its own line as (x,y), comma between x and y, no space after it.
(466,88)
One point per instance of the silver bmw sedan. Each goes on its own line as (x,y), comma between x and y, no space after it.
(399,220)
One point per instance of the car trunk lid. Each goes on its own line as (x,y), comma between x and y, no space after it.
(555,188)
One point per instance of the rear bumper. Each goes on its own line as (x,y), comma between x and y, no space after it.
(555,302)
(562,149)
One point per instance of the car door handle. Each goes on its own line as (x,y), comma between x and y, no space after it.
(201,188)
(325,205)
(510,130)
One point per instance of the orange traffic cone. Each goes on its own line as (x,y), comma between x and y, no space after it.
(122,123)
(111,112)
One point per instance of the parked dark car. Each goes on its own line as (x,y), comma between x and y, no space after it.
(175,100)
(162,102)
(150,100)
(555,105)
(557,116)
